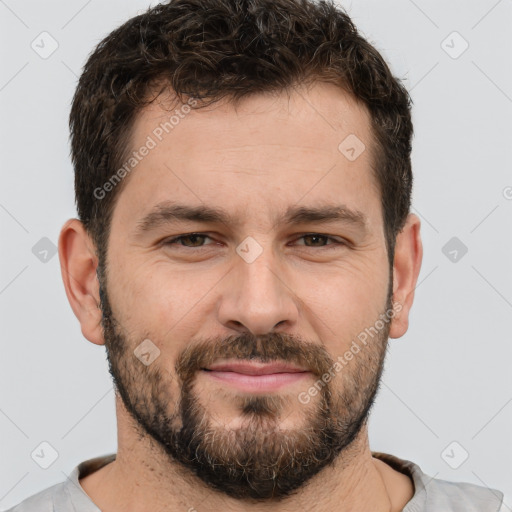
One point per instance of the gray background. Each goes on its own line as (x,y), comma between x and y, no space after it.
(448,379)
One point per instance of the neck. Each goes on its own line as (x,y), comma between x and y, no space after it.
(143,478)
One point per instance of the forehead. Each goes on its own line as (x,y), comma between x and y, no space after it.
(269,151)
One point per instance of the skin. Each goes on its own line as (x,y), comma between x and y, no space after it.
(271,152)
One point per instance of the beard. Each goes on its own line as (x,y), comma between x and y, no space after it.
(259,459)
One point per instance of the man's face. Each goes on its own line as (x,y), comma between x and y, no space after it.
(259,287)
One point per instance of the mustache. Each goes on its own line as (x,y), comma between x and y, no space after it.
(266,348)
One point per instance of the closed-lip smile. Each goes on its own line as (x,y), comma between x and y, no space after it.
(255,376)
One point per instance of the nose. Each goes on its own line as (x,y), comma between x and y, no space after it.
(258,296)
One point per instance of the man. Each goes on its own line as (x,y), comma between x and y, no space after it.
(244,250)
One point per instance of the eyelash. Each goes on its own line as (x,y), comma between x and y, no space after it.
(173,241)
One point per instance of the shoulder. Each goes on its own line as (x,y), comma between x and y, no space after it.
(462,496)
(42,501)
(436,494)
(66,496)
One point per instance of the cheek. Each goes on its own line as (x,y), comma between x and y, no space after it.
(165,307)
(347,291)
(344,303)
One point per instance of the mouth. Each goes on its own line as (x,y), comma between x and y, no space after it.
(254,376)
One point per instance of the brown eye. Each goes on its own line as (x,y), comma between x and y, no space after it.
(191,240)
(319,240)
(315,239)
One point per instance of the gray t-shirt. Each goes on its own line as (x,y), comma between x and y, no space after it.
(430,494)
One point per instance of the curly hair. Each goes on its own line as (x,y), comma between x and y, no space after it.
(211,49)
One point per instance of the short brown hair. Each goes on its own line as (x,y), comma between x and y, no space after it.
(210,49)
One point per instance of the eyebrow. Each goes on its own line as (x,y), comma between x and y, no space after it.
(168,212)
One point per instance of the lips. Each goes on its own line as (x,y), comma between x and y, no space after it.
(255,377)
(254,368)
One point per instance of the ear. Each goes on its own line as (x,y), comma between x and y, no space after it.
(78,263)
(406,268)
